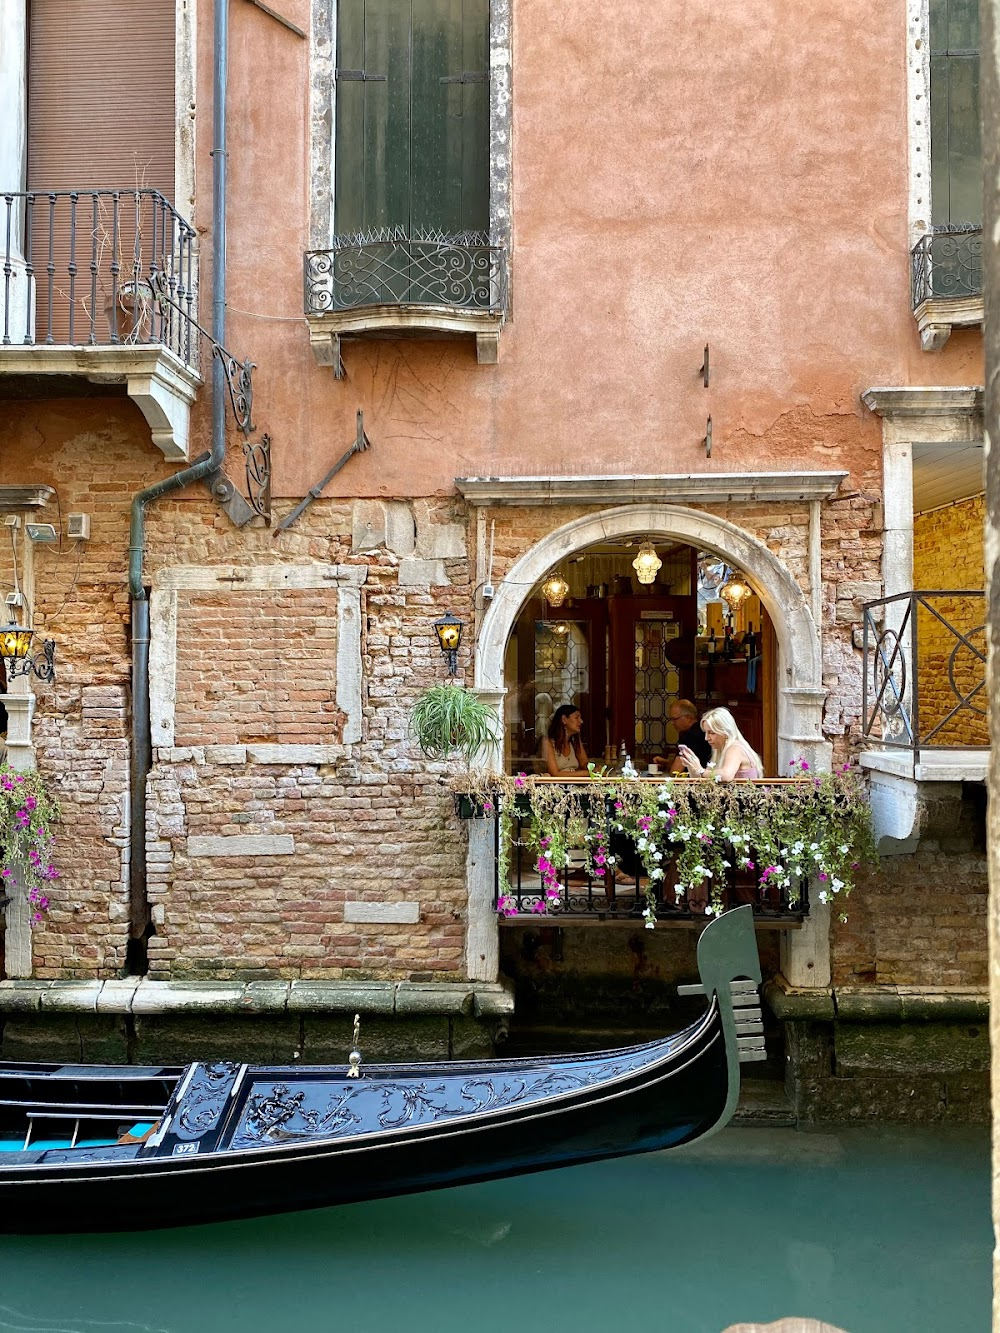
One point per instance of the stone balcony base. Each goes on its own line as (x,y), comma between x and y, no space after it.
(161,385)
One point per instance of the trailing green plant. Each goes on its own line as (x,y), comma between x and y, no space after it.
(688,834)
(27,813)
(448,719)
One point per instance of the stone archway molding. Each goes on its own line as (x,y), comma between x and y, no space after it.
(800,672)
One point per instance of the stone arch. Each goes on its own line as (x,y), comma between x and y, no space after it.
(800,671)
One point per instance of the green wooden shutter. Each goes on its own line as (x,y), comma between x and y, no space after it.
(956,154)
(412,146)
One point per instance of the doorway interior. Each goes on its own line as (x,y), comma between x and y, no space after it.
(622,650)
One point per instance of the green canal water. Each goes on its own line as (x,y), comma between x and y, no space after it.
(873,1230)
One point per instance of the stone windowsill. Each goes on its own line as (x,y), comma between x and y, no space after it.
(139,996)
(158,382)
(401,321)
(938,316)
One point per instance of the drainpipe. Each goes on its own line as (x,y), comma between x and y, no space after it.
(142,747)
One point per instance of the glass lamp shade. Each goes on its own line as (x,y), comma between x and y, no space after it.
(15,640)
(647,563)
(735,592)
(449,632)
(555,590)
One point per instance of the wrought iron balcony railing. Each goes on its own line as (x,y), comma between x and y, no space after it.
(98,268)
(947,263)
(924,682)
(389,268)
(622,892)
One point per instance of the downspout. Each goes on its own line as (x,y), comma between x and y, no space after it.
(142,746)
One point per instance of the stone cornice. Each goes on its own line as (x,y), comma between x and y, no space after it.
(678,488)
(924,401)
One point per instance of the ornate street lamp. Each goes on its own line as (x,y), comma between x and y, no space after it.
(449,632)
(555,590)
(15,649)
(647,563)
(735,591)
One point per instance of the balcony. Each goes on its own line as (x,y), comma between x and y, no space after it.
(390,285)
(947,282)
(100,286)
(648,852)
(924,701)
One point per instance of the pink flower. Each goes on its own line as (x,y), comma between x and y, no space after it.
(30,803)
(804,766)
(519,782)
(23,818)
(538,907)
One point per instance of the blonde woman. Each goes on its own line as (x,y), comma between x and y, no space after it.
(733,759)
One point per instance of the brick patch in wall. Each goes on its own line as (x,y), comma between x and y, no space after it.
(242,844)
(383,914)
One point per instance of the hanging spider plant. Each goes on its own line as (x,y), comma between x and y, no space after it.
(448,719)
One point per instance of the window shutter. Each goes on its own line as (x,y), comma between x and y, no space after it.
(412,145)
(956,154)
(101,95)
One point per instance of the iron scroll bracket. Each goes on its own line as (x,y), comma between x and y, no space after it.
(361,443)
(239,374)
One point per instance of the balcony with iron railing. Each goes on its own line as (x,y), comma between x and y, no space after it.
(660,851)
(388,283)
(924,701)
(102,286)
(946,281)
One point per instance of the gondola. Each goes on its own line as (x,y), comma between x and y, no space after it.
(233,1140)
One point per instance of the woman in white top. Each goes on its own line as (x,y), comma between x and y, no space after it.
(562,748)
(733,759)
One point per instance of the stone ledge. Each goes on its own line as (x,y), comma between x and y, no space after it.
(877,1004)
(138,996)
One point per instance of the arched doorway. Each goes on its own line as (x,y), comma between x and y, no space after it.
(797,690)
(625,644)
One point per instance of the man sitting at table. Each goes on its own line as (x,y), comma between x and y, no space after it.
(683,714)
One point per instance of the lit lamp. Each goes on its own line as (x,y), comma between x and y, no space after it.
(15,649)
(555,590)
(449,632)
(735,591)
(647,563)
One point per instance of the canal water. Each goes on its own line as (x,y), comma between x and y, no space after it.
(873,1230)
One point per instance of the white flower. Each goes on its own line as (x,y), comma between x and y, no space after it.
(650,925)
(656,874)
(844,848)
(824,897)
(837,883)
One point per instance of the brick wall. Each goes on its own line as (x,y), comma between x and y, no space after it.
(948,554)
(920,920)
(257,665)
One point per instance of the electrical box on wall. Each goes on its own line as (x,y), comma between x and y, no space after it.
(78,527)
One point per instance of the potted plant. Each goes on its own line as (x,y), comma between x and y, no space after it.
(450,720)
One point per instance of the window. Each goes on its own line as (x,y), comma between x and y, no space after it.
(956,157)
(412,116)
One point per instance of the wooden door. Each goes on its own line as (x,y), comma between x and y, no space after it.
(652,656)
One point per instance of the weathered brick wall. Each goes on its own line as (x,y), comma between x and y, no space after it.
(257,665)
(948,554)
(920,920)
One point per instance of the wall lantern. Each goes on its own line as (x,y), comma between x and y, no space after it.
(15,649)
(449,632)
(555,590)
(735,591)
(647,563)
